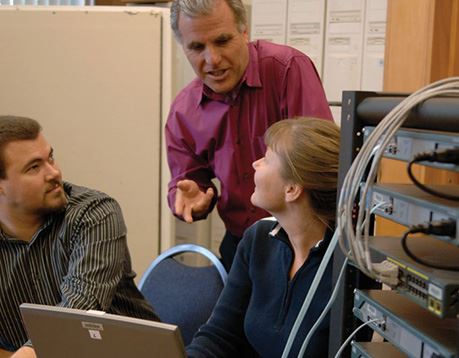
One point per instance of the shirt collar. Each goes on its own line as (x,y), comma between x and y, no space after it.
(250,78)
(3,235)
(253,68)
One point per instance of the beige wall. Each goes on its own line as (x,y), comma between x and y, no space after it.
(92,78)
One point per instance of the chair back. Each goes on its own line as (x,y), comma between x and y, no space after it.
(181,294)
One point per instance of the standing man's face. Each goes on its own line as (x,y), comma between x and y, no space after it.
(215,48)
(33,183)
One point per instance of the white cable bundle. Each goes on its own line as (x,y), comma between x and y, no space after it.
(354,241)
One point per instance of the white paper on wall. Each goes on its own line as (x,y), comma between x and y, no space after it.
(343,47)
(342,73)
(336,113)
(269,19)
(305,28)
(374,45)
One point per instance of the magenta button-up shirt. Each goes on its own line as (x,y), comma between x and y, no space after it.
(211,135)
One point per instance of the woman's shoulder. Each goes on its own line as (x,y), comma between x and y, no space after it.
(258,233)
(262,227)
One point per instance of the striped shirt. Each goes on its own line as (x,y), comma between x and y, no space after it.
(78,258)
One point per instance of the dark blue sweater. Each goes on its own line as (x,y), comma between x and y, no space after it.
(259,304)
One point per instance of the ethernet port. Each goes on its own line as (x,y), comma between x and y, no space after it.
(438,308)
(431,304)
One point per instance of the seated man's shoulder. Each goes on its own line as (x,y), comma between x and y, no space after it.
(80,193)
(82,199)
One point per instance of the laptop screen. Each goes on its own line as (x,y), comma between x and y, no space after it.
(58,332)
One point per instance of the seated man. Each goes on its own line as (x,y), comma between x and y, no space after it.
(60,244)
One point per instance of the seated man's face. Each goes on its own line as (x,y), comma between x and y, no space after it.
(33,183)
(215,48)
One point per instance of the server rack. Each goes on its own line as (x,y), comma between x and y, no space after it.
(361,109)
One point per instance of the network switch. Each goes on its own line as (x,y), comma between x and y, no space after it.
(406,325)
(406,143)
(408,205)
(435,290)
(375,350)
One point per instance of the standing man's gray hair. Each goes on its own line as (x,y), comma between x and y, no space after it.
(195,8)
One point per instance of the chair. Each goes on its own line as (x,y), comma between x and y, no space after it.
(181,294)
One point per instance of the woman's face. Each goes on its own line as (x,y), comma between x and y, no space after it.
(269,193)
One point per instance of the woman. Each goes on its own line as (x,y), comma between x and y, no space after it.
(276,261)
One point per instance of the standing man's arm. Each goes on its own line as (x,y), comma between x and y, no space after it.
(192,195)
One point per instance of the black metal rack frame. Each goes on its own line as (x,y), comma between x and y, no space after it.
(361,109)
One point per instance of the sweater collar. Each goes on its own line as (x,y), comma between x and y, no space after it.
(277,232)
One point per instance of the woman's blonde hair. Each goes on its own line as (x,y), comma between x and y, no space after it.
(309,151)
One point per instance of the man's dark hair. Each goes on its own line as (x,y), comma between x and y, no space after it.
(14,128)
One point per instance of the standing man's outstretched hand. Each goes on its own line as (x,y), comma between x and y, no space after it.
(190,200)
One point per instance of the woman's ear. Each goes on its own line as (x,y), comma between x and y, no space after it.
(293,192)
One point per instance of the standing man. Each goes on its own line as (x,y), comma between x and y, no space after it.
(60,244)
(216,124)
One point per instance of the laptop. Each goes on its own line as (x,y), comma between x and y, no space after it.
(58,332)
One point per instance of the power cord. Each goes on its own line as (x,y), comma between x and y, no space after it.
(346,342)
(441,228)
(450,156)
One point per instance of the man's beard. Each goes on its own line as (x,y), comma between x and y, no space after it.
(57,204)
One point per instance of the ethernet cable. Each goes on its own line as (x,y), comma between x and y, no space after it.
(310,295)
(363,171)
(325,310)
(346,342)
